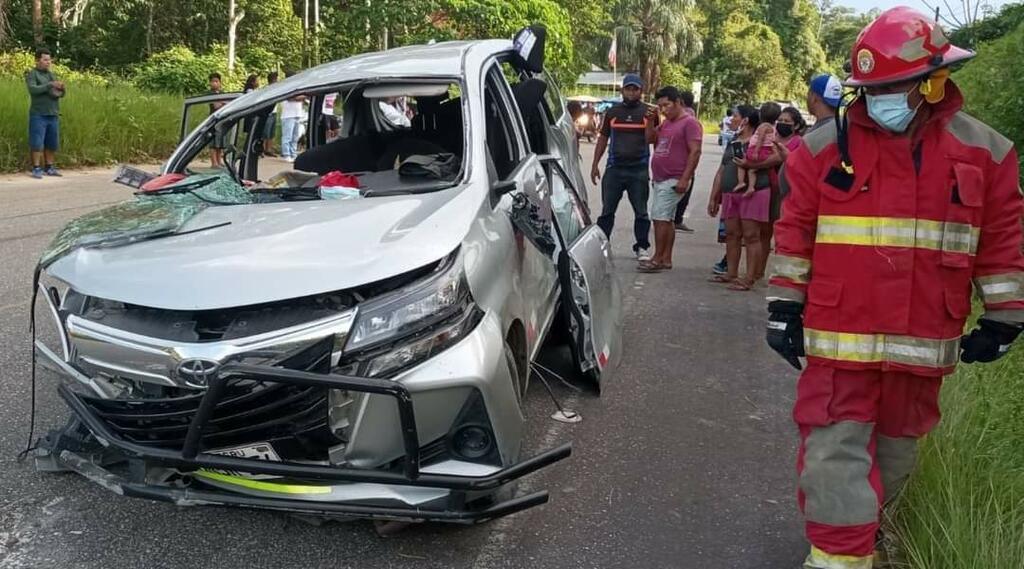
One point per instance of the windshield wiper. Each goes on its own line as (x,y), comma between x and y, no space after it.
(425,188)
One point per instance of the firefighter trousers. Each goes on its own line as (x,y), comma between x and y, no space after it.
(858,444)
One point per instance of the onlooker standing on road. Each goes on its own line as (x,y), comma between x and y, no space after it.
(743,215)
(685,202)
(292,114)
(625,129)
(44,115)
(823,99)
(768,114)
(217,147)
(677,147)
(824,96)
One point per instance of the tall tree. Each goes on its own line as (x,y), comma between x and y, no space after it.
(651,32)
(37,21)
(5,26)
(234,17)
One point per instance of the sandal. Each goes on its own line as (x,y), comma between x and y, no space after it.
(723,279)
(649,267)
(740,285)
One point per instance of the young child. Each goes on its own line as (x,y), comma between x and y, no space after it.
(760,147)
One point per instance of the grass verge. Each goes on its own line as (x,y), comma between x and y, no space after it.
(99,125)
(964,506)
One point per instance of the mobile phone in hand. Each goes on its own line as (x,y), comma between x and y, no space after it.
(738,149)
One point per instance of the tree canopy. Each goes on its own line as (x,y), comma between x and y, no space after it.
(740,50)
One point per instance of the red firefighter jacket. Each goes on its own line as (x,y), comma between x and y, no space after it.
(884,258)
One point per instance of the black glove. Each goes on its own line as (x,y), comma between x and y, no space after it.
(786,330)
(988,342)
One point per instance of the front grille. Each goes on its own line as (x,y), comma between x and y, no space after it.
(293,417)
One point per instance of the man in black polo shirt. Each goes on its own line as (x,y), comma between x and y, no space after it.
(625,129)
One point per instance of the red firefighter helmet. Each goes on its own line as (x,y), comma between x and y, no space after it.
(900,44)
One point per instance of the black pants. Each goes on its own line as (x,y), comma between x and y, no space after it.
(635,181)
(681,206)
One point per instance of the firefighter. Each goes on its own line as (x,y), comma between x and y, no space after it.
(893,212)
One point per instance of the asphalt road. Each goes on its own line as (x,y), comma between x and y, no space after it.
(684,461)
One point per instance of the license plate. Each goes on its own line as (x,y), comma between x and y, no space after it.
(259,451)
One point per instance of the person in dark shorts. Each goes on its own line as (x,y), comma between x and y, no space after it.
(626,128)
(44,115)
(217,146)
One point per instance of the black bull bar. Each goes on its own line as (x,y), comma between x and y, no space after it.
(191,457)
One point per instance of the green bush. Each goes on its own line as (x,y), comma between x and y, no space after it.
(992,91)
(179,70)
(15,64)
(99,124)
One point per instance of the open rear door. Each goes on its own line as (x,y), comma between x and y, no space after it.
(591,299)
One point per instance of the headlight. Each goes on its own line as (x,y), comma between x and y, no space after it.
(407,326)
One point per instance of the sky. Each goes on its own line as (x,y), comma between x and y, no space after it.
(865,5)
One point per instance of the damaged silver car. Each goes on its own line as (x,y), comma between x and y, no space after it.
(350,336)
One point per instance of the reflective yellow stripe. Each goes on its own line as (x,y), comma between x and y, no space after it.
(818,559)
(876,348)
(796,269)
(262,485)
(996,289)
(898,232)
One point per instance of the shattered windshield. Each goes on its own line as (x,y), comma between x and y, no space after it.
(151,214)
(391,139)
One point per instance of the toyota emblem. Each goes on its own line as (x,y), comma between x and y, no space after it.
(197,372)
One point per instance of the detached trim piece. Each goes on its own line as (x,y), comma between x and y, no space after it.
(189,497)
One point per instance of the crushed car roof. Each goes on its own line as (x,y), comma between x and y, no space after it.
(444,59)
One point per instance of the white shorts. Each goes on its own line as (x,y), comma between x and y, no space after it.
(665,200)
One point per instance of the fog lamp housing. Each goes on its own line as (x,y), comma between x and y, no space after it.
(472,442)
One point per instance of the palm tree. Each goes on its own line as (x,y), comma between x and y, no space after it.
(653,32)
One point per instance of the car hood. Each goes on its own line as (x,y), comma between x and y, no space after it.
(251,254)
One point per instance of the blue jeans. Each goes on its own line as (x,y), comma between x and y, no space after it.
(43,132)
(290,129)
(635,181)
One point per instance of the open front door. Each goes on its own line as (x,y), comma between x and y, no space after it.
(191,116)
(590,292)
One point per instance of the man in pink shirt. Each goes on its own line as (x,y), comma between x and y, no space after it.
(677,147)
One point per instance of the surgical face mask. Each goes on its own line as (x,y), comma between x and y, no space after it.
(784,130)
(891,111)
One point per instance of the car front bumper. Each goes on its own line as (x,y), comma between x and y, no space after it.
(417,493)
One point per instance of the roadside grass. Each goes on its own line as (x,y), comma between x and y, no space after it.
(100,125)
(964,505)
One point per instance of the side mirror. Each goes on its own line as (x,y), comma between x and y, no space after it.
(503,187)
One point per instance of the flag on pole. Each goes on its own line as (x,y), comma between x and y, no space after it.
(612,59)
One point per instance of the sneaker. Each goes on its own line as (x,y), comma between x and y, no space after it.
(37,173)
(719,268)
(682,227)
(289,159)
(52,171)
(643,254)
